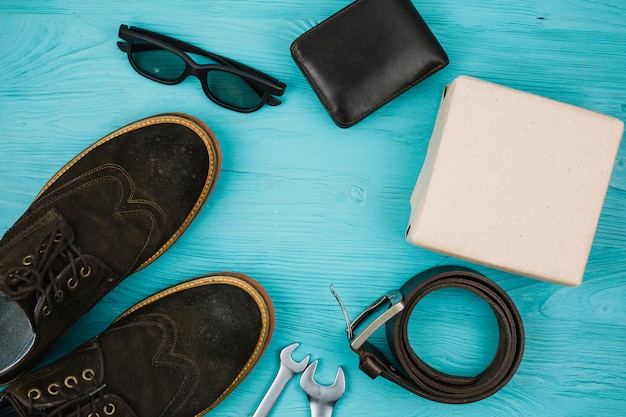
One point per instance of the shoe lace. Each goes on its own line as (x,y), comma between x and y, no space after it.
(39,274)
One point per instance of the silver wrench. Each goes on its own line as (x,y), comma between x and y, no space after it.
(288,368)
(322,399)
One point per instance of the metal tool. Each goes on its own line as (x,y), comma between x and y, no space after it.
(288,368)
(322,399)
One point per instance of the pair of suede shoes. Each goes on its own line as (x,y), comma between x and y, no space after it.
(112,210)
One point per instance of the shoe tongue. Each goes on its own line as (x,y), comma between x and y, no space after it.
(17,248)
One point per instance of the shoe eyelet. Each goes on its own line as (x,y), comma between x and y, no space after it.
(71,381)
(93,415)
(43,248)
(88,374)
(72,283)
(57,238)
(109,409)
(54,388)
(58,296)
(85,272)
(28,260)
(46,311)
(34,394)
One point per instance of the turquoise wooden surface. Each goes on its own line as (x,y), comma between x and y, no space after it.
(301,204)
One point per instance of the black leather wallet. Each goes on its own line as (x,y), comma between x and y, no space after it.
(365,55)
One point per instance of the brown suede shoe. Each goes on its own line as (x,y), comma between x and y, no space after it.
(112,210)
(178,353)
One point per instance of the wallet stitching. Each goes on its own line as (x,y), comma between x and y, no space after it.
(295,51)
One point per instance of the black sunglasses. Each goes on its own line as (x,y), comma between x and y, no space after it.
(227,83)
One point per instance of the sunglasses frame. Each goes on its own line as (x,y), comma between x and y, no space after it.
(263,84)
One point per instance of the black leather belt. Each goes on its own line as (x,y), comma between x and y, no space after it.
(411,372)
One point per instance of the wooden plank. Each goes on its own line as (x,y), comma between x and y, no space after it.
(301,204)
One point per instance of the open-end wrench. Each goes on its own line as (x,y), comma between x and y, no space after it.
(288,368)
(322,399)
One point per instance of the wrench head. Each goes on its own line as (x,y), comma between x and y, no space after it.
(289,363)
(320,393)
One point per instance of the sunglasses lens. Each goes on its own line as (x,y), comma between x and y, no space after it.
(156,62)
(233,90)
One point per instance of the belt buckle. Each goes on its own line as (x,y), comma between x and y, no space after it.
(393,299)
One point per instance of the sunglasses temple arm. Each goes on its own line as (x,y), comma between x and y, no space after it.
(231,63)
(138,47)
(280,87)
(273,101)
(175,42)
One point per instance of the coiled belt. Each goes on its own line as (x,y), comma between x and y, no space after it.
(417,376)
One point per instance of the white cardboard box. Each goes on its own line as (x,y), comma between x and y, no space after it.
(514,181)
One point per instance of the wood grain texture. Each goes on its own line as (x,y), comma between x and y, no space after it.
(301,204)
